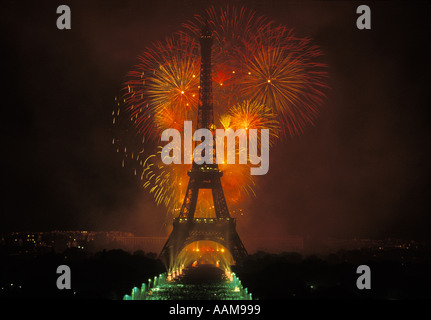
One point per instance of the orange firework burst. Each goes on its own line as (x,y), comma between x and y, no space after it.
(163,89)
(284,75)
(254,115)
(168,185)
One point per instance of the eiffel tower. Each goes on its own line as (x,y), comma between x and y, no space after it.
(187,228)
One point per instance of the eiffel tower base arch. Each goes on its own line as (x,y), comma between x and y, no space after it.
(186,231)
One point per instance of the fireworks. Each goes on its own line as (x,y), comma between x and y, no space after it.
(254,115)
(233,29)
(284,75)
(163,89)
(264,77)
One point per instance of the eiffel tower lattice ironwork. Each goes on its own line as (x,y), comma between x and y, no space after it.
(187,228)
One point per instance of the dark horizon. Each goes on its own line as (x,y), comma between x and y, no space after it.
(362,171)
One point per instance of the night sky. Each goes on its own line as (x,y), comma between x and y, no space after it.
(361,171)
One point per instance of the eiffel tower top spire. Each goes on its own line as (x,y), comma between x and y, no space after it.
(205,107)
